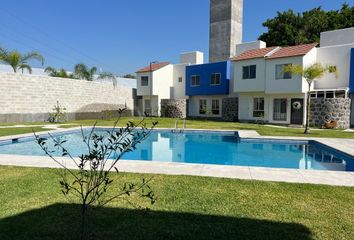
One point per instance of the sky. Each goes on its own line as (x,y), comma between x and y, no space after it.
(121,36)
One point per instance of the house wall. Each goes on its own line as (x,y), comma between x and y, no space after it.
(243,47)
(352,112)
(172,108)
(193,106)
(144,90)
(192,58)
(179,88)
(30,97)
(351,84)
(249,85)
(324,110)
(338,56)
(162,82)
(205,71)
(155,105)
(277,86)
(337,37)
(246,106)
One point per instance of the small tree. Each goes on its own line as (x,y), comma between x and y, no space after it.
(58,114)
(19,61)
(90,183)
(311,74)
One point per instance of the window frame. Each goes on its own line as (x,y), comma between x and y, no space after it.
(180,79)
(213,79)
(280,74)
(148,110)
(257,107)
(282,116)
(217,106)
(205,110)
(143,79)
(195,78)
(247,72)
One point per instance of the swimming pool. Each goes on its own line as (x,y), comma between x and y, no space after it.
(207,147)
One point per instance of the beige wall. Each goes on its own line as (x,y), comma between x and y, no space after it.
(34,95)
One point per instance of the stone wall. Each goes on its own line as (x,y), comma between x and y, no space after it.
(230,109)
(323,110)
(25,98)
(174,108)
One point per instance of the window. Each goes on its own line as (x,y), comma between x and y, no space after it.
(320,94)
(249,72)
(148,106)
(180,79)
(144,81)
(202,106)
(329,94)
(215,79)
(280,109)
(258,107)
(313,95)
(195,80)
(215,107)
(280,73)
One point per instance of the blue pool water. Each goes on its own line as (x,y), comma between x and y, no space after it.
(210,148)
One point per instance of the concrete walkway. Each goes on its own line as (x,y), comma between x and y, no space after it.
(237,172)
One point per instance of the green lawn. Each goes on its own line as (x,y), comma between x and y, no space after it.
(15,131)
(32,207)
(205,124)
(201,124)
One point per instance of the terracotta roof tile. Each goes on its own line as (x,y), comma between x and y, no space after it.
(154,67)
(299,50)
(254,53)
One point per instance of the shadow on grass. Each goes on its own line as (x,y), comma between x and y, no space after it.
(60,221)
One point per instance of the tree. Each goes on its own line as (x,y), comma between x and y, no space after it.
(311,74)
(61,73)
(289,28)
(132,76)
(19,61)
(93,178)
(108,75)
(81,71)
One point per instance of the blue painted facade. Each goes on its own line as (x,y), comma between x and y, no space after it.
(205,71)
(351,81)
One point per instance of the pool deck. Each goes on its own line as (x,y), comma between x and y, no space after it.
(249,173)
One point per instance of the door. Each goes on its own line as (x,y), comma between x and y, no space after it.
(297,111)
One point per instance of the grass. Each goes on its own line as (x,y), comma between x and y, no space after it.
(16,131)
(32,207)
(263,130)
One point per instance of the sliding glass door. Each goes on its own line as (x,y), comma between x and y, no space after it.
(280,109)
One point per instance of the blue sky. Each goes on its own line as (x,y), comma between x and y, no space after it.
(121,36)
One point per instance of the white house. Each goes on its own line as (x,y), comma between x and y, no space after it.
(267,93)
(163,81)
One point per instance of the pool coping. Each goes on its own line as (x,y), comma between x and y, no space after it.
(334,178)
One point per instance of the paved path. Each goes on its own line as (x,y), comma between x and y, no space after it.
(249,173)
